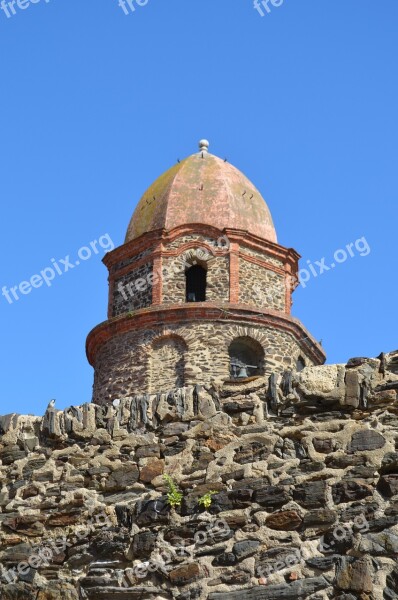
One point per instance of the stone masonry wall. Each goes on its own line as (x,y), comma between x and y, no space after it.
(217,267)
(167,368)
(131,260)
(174,286)
(301,470)
(123,364)
(262,256)
(260,286)
(133,291)
(202,239)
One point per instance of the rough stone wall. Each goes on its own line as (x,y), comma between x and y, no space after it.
(174,286)
(202,239)
(174,267)
(167,364)
(262,256)
(261,287)
(301,469)
(131,260)
(123,364)
(133,291)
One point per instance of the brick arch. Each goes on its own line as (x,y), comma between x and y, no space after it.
(239,331)
(197,254)
(159,336)
(166,362)
(176,263)
(163,333)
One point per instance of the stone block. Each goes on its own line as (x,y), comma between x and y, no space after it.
(11,454)
(311,494)
(384,543)
(367,439)
(354,575)
(122,478)
(152,469)
(350,490)
(226,559)
(272,496)
(319,518)
(185,574)
(388,485)
(324,446)
(288,520)
(325,382)
(245,548)
(143,544)
(343,461)
(298,590)
(389,463)
(353,389)
(30,525)
(19,591)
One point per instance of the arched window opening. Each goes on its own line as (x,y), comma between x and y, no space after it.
(195,278)
(246,358)
(300,364)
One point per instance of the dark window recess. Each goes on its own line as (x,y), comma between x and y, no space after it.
(195,284)
(300,365)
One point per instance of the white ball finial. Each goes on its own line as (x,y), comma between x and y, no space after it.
(204,145)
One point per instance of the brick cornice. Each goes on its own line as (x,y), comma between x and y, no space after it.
(148,318)
(253,242)
(150,239)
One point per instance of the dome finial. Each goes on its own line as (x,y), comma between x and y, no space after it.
(204,146)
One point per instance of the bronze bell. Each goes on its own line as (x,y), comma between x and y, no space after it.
(243,373)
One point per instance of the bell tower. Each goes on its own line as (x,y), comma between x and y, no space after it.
(200,291)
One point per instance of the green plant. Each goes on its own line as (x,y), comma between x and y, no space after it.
(174,496)
(206,499)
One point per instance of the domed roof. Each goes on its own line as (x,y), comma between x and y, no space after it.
(202,189)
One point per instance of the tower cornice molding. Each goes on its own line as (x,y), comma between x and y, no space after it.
(153,316)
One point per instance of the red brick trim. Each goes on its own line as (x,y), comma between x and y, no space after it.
(157,288)
(262,263)
(156,258)
(234,273)
(111,292)
(157,241)
(148,240)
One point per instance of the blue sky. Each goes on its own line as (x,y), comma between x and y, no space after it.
(97,103)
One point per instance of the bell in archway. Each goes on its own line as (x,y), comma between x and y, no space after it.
(243,373)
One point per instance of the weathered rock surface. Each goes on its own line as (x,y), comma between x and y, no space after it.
(298,500)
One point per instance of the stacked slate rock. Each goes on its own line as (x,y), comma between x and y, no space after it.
(284,488)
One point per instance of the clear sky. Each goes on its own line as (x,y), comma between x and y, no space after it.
(96,103)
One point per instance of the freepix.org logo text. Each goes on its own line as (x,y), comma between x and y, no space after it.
(58,267)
